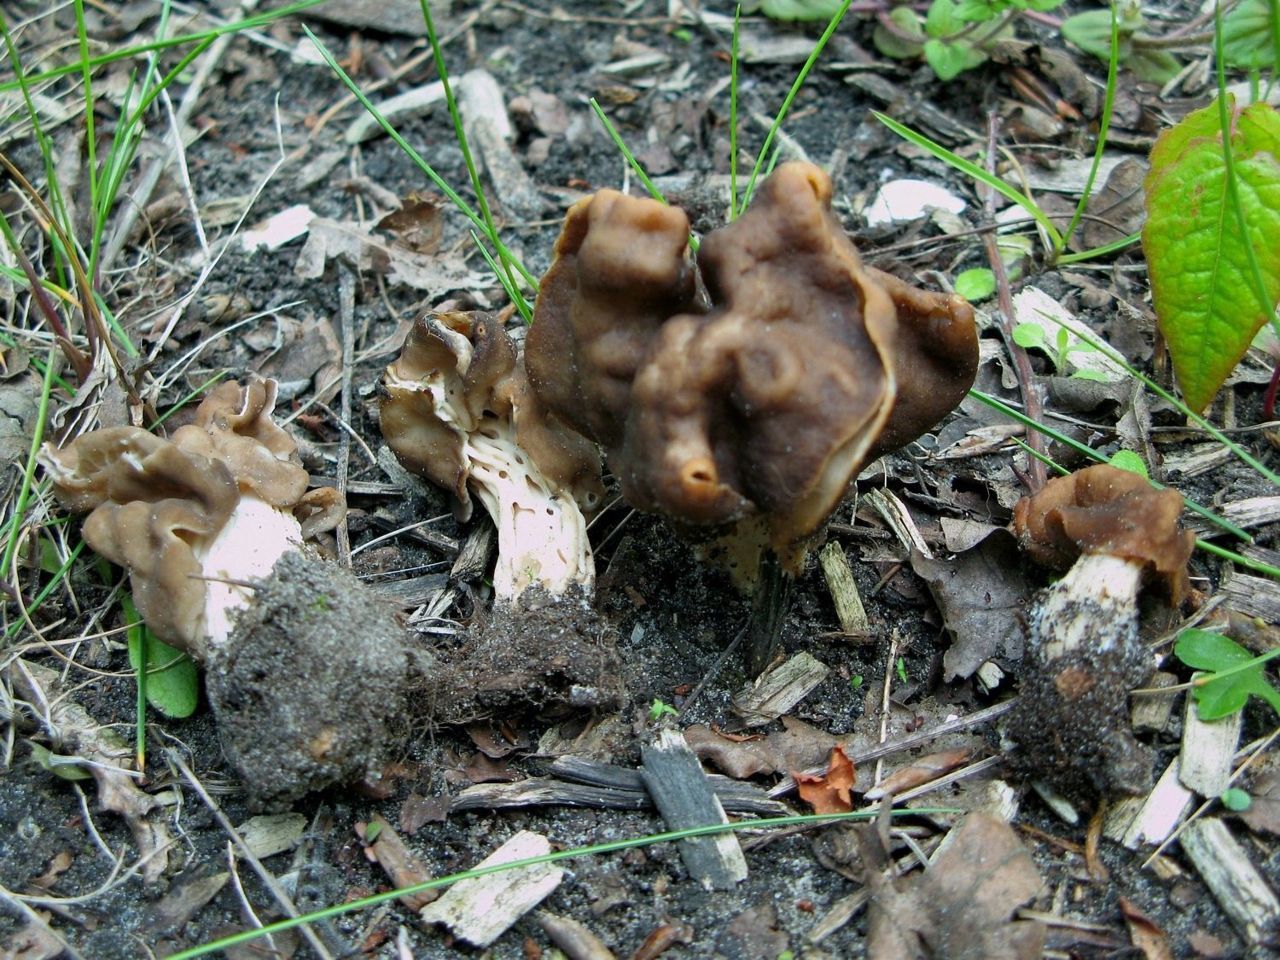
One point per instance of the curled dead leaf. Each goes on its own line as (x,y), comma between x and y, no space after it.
(829,792)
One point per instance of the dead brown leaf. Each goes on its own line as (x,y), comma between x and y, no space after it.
(1263,815)
(419,223)
(919,772)
(962,907)
(59,865)
(35,941)
(418,811)
(981,593)
(829,792)
(798,746)
(1144,933)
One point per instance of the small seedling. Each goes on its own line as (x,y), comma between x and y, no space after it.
(855,682)
(1236,800)
(1128,460)
(659,709)
(1232,673)
(976,284)
(1032,336)
(902,670)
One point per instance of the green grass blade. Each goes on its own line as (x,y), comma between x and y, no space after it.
(460,134)
(441,184)
(1018,416)
(630,157)
(803,75)
(1104,125)
(86,82)
(594,850)
(977,173)
(1102,251)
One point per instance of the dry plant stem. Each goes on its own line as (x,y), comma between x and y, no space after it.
(268,880)
(1004,315)
(346,310)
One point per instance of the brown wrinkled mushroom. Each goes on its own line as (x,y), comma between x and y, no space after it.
(621,270)
(458,410)
(209,521)
(755,416)
(1117,533)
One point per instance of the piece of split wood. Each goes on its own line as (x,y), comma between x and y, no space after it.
(1232,878)
(397,109)
(898,517)
(779,689)
(489,129)
(1253,596)
(675,779)
(1204,762)
(1151,711)
(1135,821)
(844,591)
(480,910)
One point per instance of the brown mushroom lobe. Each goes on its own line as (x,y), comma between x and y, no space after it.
(766,406)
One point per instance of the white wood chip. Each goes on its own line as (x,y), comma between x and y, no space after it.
(272,833)
(1234,881)
(1160,813)
(1204,763)
(481,909)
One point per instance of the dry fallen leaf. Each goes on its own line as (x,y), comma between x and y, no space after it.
(798,746)
(919,772)
(962,907)
(1144,933)
(829,792)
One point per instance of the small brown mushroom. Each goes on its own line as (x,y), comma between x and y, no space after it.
(1117,532)
(459,411)
(210,524)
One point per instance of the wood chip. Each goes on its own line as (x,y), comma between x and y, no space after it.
(1254,596)
(844,591)
(396,110)
(1204,763)
(1135,821)
(480,910)
(779,689)
(272,833)
(1234,881)
(684,797)
(1151,711)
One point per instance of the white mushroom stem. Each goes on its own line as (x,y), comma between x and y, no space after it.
(542,535)
(1094,607)
(253,539)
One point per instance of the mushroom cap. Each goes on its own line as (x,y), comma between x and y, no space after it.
(935,360)
(1103,509)
(456,369)
(621,269)
(156,504)
(772,401)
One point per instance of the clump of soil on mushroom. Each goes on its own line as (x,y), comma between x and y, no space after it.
(279,722)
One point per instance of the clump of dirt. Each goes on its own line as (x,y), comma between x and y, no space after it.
(310,685)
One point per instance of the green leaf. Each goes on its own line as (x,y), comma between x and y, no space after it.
(1151,65)
(1242,673)
(1247,40)
(975,11)
(1091,32)
(976,284)
(1201,277)
(1128,460)
(173,685)
(1030,336)
(68,768)
(1236,800)
(949,60)
(895,44)
(943,19)
(800,9)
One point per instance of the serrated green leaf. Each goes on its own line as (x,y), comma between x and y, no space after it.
(1201,277)
(1247,39)
(949,60)
(976,284)
(896,43)
(173,684)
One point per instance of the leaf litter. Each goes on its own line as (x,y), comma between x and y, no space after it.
(882,700)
